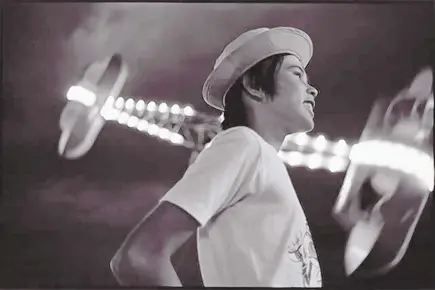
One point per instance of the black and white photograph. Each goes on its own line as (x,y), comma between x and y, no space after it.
(231,145)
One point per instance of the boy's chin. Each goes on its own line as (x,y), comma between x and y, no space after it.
(308,126)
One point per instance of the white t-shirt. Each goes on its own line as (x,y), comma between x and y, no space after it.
(253,229)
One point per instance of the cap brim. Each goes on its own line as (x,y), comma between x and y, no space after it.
(271,42)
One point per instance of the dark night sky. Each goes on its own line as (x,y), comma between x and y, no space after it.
(63,220)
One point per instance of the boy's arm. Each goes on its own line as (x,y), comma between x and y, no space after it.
(144,257)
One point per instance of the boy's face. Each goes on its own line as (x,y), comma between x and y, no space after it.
(293,103)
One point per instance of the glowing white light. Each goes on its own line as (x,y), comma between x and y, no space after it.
(129,105)
(221,118)
(337,164)
(142,125)
(207,145)
(176,138)
(188,111)
(81,95)
(132,121)
(320,143)
(340,148)
(294,158)
(108,112)
(395,156)
(163,108)
(301,139)
(314,161)
(175,109)
(164,134)
(123,118)
(427,172)
(152,106)
(153,129)
(119,104)
(140,106)
(406,154)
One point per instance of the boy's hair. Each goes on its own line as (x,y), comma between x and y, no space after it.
(261,76)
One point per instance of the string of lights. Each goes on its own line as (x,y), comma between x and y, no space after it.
(180,125)
(305,142)
(184,126)
(298,150)
(137,114)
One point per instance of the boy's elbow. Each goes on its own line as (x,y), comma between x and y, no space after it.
(119,269)
(130,269)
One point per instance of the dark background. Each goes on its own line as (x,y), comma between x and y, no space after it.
(63,220)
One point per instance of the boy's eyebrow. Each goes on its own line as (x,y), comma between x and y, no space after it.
(300,68)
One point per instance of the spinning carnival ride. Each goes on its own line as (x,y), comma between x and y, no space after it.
(393,158)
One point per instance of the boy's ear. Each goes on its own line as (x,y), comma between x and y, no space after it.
(256,94)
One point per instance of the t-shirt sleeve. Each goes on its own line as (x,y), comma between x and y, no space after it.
(225,169)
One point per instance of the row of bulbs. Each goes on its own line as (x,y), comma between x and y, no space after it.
(319,143)
(129,105)
(88,98)
(372,153)
(114,113)
(376,153)
(314,161)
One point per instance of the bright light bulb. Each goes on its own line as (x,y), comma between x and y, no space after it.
(337,164)
(81,95)
(320,143)
(188,111)
(153,129)
(119,104)
(133,121)
(314,160)
(300,139)
(175,109)
(123,118)
(176,138)
(163,108)
(164,133)
(129,105)
(152,106)
(340,148)
(107,111)
(142,125)
(109,114)
(140,105)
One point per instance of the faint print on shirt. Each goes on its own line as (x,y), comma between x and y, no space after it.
(302,251)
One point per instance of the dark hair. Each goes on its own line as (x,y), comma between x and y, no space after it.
(261,76)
